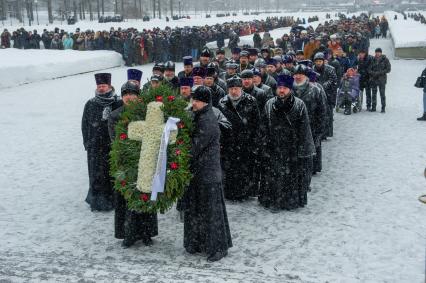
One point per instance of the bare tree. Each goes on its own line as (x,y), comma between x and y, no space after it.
(98,8)
(90,10)
(103,7)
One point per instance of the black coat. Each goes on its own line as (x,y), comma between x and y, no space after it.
(363,67)
(379,68)
(328,80)
(127,223)
(316,106)
(287,153)
(205,151)
(267,89)
(269,81)
(260,95)
(206,227)
(97,143)
(241,147)
(173,83)
(217,94)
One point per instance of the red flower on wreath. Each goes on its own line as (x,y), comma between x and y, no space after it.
(144,197)
(179,141)
(123,136)
(170,98)
(174,165)
(178,152)
(159,98)
(181,125)
(123,183)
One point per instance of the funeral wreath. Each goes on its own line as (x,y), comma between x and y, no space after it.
(135,150)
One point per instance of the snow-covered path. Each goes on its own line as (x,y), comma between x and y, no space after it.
(363,222)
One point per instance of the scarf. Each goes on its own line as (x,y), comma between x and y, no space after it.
(106,100)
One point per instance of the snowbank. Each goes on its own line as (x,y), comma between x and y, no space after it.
(406,33)
(27,66)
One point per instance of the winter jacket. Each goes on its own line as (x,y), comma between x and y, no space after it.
(260,95)
(363,66)
(378,70)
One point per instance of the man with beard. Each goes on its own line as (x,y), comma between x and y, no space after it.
(250,88)
(169,75)
(244,61)
(206,227)
(187,68)
(221,83)
(287,152)
(158,72)
(217,93)
(205,57)
(271,68)
(96,141)
(130,225)
(316,105)
(289,63)
(198,74)
(253,55)
(328,80)
(257,81)
(266,78)
(236,54)
(241,149)
(231,70)
(221,60)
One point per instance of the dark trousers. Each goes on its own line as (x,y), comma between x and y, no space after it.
(367,95)
(330,113)
(381,87)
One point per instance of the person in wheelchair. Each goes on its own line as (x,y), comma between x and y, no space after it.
(348,92)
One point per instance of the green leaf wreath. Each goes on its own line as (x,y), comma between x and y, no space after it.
(125,153)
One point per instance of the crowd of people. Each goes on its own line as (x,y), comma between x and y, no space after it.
(144,46)
(260,119)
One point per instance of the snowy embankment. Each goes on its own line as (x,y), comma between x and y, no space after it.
(406,33)
(26,66)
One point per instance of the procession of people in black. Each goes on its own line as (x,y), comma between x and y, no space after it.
(259,120)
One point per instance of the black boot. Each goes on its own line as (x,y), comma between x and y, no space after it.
(368,108)
(217,256)
(128,242)
(423,118)
(373,109)
(347,109)
(383,110)
(147,241)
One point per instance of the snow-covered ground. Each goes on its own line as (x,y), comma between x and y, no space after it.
(20,66)
(363,222)
(406,33)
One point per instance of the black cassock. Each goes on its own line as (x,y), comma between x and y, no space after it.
(287,154)
(240,148)
(97,143)
(316,105)
(206,227)
(129,224)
